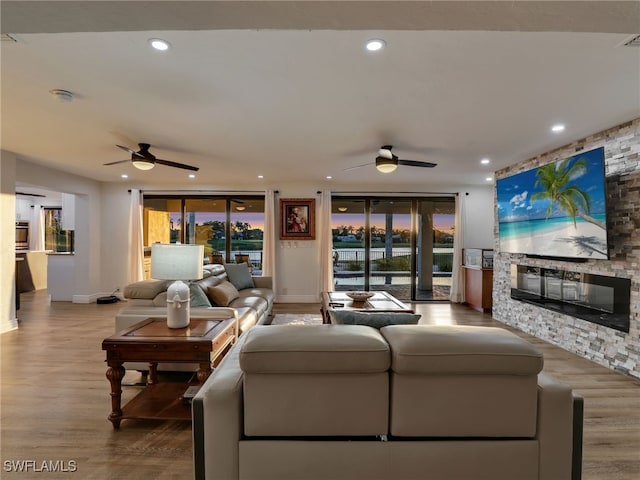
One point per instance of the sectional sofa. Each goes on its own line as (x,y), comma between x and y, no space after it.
(406,402)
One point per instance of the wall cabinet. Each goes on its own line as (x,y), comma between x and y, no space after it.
(478,278)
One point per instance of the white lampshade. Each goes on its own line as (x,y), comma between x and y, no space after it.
(176,261)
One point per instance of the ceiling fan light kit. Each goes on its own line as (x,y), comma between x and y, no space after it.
(386,165)
(143,164)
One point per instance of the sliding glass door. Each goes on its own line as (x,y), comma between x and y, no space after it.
(434,223)
(400,245)
(391,252)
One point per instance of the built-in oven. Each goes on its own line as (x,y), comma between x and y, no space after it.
(22,235)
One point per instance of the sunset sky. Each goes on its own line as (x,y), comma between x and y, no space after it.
(442,222)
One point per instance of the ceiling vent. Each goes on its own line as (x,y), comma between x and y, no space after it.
(5,37)
(633,41)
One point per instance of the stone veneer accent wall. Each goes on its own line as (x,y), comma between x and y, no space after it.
(611,348)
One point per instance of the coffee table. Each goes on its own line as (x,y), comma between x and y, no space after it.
(380,302)
(203,342)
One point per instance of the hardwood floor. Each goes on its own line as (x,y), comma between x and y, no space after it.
(55,399)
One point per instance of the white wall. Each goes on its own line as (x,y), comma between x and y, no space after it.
(116,201)
(297,261)
(8,319)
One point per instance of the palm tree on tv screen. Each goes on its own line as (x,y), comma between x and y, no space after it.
(554,179)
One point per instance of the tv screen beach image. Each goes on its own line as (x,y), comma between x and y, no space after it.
(556,210)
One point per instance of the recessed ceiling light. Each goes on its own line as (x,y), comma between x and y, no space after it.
(124,175)
(191,175)
(485,161)
(329,177)
(375,44)
(159,44)
(557,128)
(260,176)
(488,179)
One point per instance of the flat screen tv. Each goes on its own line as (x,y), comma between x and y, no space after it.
(556,210)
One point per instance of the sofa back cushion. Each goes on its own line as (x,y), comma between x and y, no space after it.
(462,381)
(239,275)
(146,289)
(315,380)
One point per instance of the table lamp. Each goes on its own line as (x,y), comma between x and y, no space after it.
(177,261)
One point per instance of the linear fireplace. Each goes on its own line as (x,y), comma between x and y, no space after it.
(595,298)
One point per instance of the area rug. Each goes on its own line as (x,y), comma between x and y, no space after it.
(297,319)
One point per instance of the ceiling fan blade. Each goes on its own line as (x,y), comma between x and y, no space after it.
(115,163)
(128,150)
(177,165)
(357,166)
(416,163)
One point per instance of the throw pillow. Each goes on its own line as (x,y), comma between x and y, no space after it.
(223,294)
(197,296)
(239,275)
(374,319)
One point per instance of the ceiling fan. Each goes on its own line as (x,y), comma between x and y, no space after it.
(387,161)
(145,160)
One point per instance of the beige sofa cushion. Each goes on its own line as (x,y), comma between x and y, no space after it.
(314,348)
(462,381)
(461,350)
(147,289)
(340,373)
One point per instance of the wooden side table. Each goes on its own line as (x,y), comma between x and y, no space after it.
(203,342)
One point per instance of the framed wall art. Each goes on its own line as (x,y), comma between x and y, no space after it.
(297,219)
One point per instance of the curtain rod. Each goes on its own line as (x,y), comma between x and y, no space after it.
(393,194)
(217,192)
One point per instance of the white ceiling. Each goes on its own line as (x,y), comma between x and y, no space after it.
(266,96)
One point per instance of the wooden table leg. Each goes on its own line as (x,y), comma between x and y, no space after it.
(115,374)
(203,372)
(152,377)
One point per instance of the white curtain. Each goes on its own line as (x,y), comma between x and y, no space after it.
(269,240)
(326,242)
(457,277)
(136,240)
(36,235)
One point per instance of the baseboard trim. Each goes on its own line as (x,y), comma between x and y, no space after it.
(93,298)
(297,299)
(9,325)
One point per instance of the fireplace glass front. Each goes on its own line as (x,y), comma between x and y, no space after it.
(596,298)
